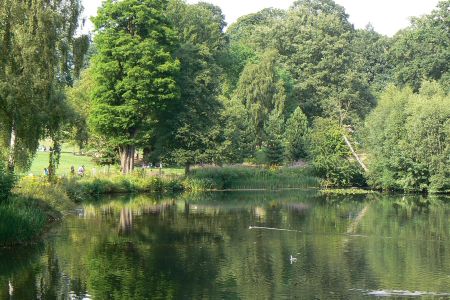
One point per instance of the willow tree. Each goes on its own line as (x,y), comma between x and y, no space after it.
(261,91)
(134,72)
(36,54)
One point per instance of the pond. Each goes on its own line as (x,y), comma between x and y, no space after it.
(239,245)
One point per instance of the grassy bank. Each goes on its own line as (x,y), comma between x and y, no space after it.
(64,192)
(20,223)
(24,217)
(35,202)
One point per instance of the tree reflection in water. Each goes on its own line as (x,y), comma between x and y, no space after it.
(126,221)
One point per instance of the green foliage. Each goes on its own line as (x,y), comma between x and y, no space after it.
(51,195)
(79,97)
(274,152)
(20,224)
(421,51)
(331,158)
(274,130)
(233,62)
(346,192)
(80,190)
(167,79)
(252,29)
(295,135)
(190,131)
(315,43)
(7,182)
(239,134)
(371,57)
(261,91)
(408,139)
(35,65)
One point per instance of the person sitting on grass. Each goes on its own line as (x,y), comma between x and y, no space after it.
(81,171)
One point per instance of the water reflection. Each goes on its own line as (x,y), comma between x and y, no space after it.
(126,221)
(200,246)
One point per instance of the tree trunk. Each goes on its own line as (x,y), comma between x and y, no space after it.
(54,156)
(355,154)
(187,169)
(12,148)
(127,158)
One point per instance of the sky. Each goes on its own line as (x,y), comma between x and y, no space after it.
(386,16)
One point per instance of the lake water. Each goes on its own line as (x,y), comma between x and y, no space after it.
(239,245)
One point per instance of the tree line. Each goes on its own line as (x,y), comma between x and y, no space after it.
(275,87)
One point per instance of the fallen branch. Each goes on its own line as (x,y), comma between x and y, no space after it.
(355,154)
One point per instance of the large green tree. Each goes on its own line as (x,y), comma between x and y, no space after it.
(36,56)
(314,42)
(421,51)
(254,29)
(194,130)
(134,69)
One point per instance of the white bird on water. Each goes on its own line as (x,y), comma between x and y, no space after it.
(293,259)
(11,288)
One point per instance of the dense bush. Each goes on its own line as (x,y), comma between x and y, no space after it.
(7,181)
(331,157)
(408,140)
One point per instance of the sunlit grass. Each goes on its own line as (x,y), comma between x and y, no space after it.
(66,161)
(69,159)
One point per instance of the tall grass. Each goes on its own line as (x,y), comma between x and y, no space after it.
(7,182)
(20,224)
(241,178)
(53,195)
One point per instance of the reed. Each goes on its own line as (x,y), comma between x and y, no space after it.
(89,187)
(242,178)
(20,223)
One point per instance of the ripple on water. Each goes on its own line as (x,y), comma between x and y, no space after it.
(401,293)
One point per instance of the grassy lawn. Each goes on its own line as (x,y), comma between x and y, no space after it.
(68,159)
